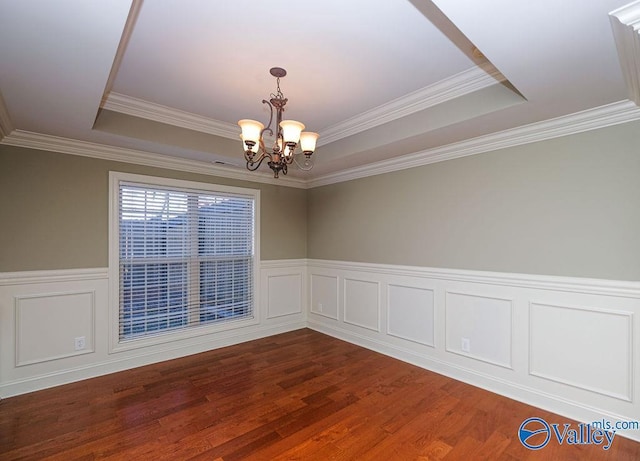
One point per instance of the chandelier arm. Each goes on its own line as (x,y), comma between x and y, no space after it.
(262,147)
(251,158)
(268,127)
(306,166)
(257,162)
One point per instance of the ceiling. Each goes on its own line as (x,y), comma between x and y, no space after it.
(378,79)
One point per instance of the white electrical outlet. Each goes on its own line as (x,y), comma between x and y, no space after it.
(465,345)
(80,343)
(320,307)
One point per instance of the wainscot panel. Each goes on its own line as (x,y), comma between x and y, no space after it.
(52,326)
(479,327)
(588,348)
(362,303)
(324,295)
(411,314)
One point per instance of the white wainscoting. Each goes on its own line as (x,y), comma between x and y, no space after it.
(567,345)
(564,344)
(42,312)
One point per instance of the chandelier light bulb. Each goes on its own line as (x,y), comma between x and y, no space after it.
(254,148)
(251,130)
(287,151)
(308,142)
(291,131)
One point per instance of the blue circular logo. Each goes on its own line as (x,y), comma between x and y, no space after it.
(532,427)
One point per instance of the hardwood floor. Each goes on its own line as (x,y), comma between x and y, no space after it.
(296,396)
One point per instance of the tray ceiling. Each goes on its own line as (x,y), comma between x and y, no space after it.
(377,79)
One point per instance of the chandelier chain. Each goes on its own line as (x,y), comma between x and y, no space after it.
(278,94)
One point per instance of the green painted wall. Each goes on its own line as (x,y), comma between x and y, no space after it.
(568,206)
(55,210)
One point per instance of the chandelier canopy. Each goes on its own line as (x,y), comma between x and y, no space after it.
(288,137)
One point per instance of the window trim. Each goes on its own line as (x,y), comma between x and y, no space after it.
(117,345)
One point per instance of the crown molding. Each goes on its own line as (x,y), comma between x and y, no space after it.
(6,127)
(625,23)
(158,113)
(460,84)
(30,140)
(591,119)
(465,82)
(600,117)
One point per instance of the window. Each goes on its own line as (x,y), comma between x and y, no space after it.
(185,254)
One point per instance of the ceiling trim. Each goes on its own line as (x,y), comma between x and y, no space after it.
(625,23)
(6,126)
(158,113)
(31,140)
(600,117)
(134,12)
(465,82)
(591,119)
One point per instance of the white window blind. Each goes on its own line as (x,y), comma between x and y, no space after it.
(186,258)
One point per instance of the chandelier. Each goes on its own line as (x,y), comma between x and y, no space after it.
(288,137)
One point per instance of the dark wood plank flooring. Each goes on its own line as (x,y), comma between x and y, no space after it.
(296,396)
